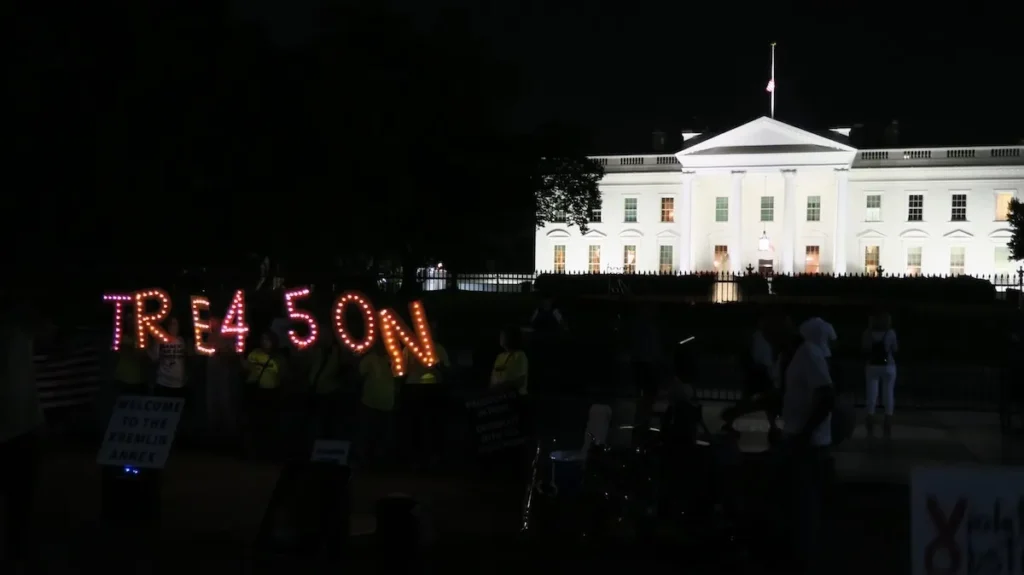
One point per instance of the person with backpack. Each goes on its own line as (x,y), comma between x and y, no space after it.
(880,345)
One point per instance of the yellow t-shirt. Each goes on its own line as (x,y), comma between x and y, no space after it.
(325,370)
(130,367)
(263,370)
(509,367)
(378,382)
(419,373)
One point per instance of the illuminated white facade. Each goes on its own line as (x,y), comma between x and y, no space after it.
(772,196)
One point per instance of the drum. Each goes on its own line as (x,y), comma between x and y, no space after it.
(566,471)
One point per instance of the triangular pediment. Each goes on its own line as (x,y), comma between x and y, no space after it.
(870,234)
(595,234)
(765,136)
(958,235)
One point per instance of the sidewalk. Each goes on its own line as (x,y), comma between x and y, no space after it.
(920,439)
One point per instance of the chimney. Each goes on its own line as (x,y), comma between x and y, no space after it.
(892,134)
(658,141)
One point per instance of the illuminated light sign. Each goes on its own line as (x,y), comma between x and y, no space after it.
(199,305)
(147,324)
(300,316)
(395,334)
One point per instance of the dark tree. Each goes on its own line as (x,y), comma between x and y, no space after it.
(1016,220)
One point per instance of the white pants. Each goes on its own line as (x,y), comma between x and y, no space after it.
(875,376)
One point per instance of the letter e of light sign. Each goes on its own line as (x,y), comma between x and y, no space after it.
(200,326)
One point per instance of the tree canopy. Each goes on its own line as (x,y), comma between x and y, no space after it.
(1016,221)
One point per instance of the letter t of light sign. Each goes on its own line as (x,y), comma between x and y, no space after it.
(149,324)
(119,300)
(298,315)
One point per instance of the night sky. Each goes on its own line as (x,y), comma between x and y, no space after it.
(951,74)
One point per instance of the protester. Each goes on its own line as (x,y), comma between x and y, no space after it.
(759,366)
(129,368)
(880,345)
(511,367)
(170,362)
(808,398)
(265,371)
(423,405)
(547,332)
(21,419)
(223,388)
(325,377)
(376,432)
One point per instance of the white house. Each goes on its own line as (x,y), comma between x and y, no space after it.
(775,197)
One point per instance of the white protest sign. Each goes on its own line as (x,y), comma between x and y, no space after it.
(966,521)
(141,431)
(330,451)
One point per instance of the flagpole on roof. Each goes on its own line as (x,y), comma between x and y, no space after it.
(771,83)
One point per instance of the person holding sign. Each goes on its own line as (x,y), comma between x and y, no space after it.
(170,362)
(376,416)
(511,366)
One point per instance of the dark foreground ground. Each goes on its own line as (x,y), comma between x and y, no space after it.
(213,505)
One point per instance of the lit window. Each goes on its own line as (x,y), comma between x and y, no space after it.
(871,259)
(957,260)
(665,265)
(812,260)
(594,259)
(721,258)
(629,259)
(1003,200)
(914,261)
(559,259)
(668,210)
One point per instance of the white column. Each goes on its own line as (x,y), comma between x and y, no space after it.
(789,213)
(685,214)
(842,215)
(736,222)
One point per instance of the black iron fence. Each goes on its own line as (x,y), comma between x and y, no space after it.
(727,286)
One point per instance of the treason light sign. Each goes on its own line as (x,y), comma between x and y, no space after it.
(394,332)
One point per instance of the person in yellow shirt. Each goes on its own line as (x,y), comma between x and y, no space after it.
(265,371)
(511,366)
(130,368)
(326,362)
(376,414)
(423,405)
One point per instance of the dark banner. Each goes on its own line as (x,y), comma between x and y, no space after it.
(497,421)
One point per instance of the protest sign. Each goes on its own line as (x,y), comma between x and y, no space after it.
(497,421)
(966,521)
(140,432)
(330,451)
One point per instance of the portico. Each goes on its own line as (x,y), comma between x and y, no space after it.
(773,169)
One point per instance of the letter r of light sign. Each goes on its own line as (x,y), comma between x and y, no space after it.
(396,335)
(945,539)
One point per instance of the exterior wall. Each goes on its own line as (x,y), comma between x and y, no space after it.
(981,234)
